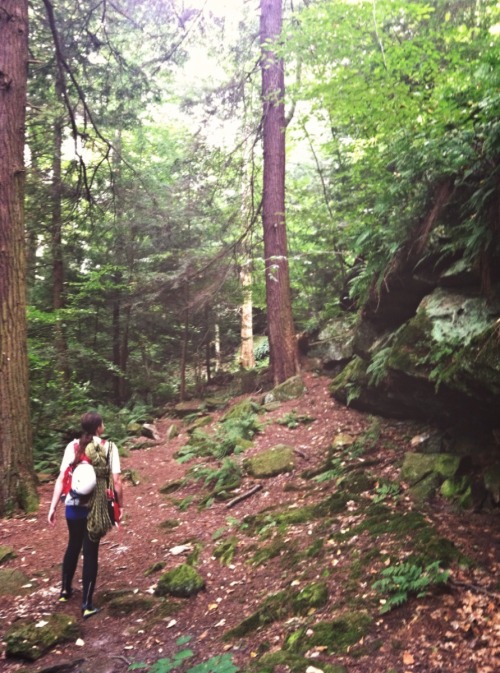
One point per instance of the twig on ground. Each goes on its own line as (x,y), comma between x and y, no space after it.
(243,496)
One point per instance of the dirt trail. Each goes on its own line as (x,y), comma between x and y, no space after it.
(456,632)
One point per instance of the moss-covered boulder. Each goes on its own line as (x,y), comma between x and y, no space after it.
(440,361)
(134,428)
(425,489)
(6,553)
(458,489)
(334,344)
(290,389)
(244,408)
(13,582)
(274,461)
(417,466)
(29,639)
(336,636)
(183,582)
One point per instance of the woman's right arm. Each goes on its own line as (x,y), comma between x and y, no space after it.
(58,486)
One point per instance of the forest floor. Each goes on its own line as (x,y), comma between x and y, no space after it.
(455,629)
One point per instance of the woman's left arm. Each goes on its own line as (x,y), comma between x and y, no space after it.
(118,486)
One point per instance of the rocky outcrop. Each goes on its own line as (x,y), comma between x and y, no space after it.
(442,364)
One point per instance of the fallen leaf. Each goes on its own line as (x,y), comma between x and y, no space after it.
(408,659)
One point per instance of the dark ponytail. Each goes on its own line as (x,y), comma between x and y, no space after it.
(90,422)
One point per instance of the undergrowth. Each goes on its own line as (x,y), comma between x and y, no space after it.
(400,581)
(221,663)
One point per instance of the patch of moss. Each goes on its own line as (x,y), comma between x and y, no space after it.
(333,504)
(279,607)
(346,385)
(182,582)
(274,608)
(171,486)
(270,463)
(357,482)
(290,389)
(29,639)
(199,423)
(6,553)
(336,636)
(241,410)
(417,466)
(226,549)
(275,548)
(28,495)
(294,663)
(429,547)
(380,519)
(12,582)
(169,524)
(313,595)
(459,490)
(127,605)
(412,343)
(407,527)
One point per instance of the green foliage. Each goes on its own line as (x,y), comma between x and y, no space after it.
(386,490)
(403,579)
(221,663)
(445,359)
(261,349)
(225,550)
(377,369)
(292,419)
(231,436)
(224,477)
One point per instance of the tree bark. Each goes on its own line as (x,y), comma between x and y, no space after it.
(247,358)
(58,270)
(17,480)
(281,332)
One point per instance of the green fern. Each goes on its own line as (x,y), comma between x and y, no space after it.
(220,663)
(404,579)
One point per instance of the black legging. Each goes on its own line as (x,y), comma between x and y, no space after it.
(78,538)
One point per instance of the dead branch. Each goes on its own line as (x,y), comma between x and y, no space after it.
(243,496)
(474,587)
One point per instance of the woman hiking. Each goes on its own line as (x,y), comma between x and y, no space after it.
(86,516)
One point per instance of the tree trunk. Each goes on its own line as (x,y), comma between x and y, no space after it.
(17,480)
(218,362)
(247,358)
(58,298)
(184,348)
(282,343)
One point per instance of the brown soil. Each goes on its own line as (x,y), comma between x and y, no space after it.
(457,630)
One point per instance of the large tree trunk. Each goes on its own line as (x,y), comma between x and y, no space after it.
(282,343)
(58,298)
(17,480)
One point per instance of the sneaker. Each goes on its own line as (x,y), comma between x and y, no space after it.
(89,612)
(64,597)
